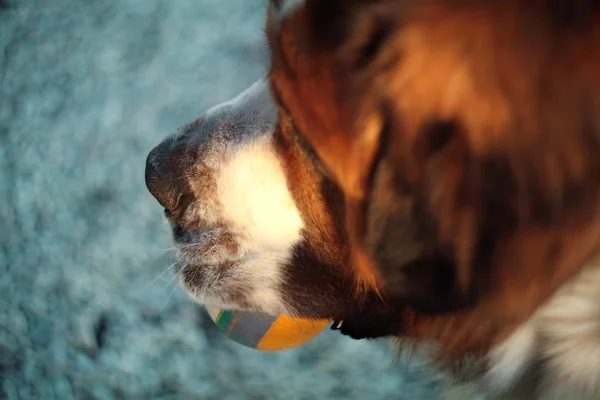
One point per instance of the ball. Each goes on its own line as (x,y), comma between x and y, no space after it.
(265,332)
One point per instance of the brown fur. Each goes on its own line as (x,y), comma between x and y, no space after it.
(475,125)
(321,204)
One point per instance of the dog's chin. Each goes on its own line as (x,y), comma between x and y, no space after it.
(216,268)
(204,258)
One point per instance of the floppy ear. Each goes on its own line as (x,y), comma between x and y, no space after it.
(309,83)
(353,44)
(345,37)
(497,173)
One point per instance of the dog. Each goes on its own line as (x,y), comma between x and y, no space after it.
(256,227)
(421,169)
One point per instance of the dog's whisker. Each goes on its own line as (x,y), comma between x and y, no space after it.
(187,245)
(172,279)
(171,294)
(177,247)
(163,251)
(164,272)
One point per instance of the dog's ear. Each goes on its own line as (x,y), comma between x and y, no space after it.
(367,150)
(345,123)
(482,138)
(310,47)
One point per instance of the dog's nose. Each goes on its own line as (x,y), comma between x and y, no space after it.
(162,177)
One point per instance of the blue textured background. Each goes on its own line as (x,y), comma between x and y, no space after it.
(87,88)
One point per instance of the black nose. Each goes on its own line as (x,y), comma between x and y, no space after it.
(163,176)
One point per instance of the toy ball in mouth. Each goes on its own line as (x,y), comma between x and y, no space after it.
(265,332)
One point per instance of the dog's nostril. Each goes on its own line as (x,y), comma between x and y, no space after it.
(161,180)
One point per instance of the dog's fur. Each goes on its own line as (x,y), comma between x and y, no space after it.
(430,169)
(256,225)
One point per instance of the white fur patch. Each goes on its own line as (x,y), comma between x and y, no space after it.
(510,360)
(571,327)
(255,199)
(565,336)
(254,195)
(249,116)
(249,194)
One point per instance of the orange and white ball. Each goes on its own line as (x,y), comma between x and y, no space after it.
(264,332)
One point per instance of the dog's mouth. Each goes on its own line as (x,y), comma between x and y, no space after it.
(206,244)
(179,208)
(203,250)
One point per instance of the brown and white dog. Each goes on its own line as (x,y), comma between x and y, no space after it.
(424,169)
